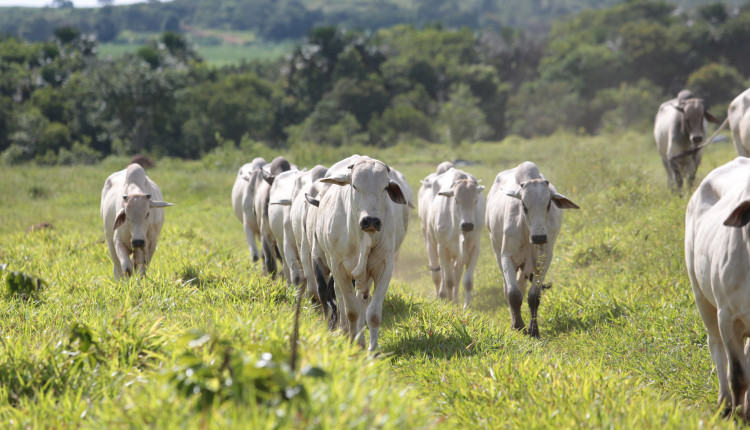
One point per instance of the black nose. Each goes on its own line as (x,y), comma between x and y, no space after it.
(370,223)
(138,243)
(467,226)
(697,139)
(539,239)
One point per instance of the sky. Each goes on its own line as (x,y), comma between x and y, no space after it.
(76,3)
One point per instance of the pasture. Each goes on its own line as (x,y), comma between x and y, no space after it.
(621,342)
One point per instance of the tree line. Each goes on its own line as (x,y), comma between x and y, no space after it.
(601,70)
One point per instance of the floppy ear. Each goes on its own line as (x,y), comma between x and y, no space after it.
(267,176)
(159,204)
(282,202)
(448,193)
(120,220)
(338,179)
(312,200)
(480,188)
(394,192)
(516,194)
(739,216)
(710,117)
(563,202)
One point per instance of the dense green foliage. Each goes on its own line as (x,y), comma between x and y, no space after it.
(622,344)
(601,70)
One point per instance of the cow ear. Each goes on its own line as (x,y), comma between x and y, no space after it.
(282,202)
(516,194)
(480,188)
(159,204)
(563,202)
(739,216)
(120,220)
(448,193)
(710,117)
(312,200)
(395,193)
(338,179)
(267,176)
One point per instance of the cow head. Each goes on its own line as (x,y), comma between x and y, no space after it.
(465,192)
(537,198)
(693,113)
(135,211)
(371,188)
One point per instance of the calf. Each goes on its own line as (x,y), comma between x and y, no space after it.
(132,213)
(454,219)
(524,217)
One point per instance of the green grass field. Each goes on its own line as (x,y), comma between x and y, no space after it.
(621,344)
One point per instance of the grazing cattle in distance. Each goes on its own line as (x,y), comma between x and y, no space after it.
(305,184)
(738,116)
(260,205)
(133,215)
(679,129)
(455,219)
(243,198)
(717,256)
(524,218)
(356,232)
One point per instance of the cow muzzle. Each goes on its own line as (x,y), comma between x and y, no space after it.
(697,139)
(539,239)
(370,224)
(138,243)
(467,227)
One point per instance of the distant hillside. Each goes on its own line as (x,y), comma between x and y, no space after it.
(291,19)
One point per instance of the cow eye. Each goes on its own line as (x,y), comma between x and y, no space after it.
(549,204)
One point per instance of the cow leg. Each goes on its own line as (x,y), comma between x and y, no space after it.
(513,293)
(447,273)
(534,299)
(468,278)
(458,271)
(123,256)
(116,267)
(309,272)
(327,295)
(670,175)
(269,256)
(250,237)
(739,370)
(375,307)
(716,348)
(432,255)
(353,305)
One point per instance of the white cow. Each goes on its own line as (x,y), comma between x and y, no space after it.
(356,231)
(260,206)
(132,213)
(306,184)
(280,200)
(524,219)
(426,195)
(738,115)
(717,255)
(455,219)
(679,129)
(243,195)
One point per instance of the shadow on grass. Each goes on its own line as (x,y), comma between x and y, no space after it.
(397,308)
(433,345)
(588,319)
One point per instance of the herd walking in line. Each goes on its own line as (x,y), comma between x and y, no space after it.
(336,231)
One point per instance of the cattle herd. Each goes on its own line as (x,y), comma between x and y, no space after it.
(334,233)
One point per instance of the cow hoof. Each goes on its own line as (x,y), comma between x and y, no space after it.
(255,258)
